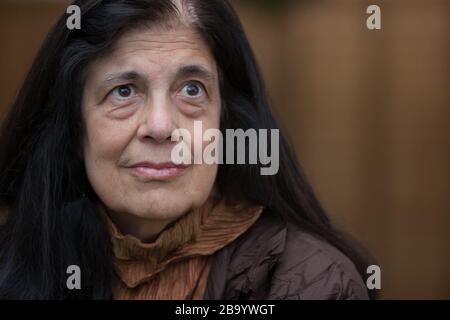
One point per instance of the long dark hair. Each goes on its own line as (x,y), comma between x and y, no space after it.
(52,221)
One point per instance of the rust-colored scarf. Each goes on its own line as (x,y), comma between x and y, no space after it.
(176,265)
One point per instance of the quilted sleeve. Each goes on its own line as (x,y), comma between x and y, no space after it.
(311,269)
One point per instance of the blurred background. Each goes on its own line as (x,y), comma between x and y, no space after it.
(368,112)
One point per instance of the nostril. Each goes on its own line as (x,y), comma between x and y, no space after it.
(157,128)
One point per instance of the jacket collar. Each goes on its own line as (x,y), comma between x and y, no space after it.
(243,267)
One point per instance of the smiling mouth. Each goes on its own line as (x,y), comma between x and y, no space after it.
(157,171)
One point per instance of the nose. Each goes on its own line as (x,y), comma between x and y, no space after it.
(157,120)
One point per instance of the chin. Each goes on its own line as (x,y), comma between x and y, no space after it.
(162,208)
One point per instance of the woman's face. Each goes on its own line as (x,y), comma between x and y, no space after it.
(154,81)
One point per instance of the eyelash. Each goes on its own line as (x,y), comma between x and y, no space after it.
(133,89)
(129,86)
(197,83)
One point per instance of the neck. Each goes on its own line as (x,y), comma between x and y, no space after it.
(143,229)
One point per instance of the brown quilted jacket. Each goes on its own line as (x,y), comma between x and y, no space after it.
(276,260)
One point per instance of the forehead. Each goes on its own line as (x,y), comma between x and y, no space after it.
(158,48)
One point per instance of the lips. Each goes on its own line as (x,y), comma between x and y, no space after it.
(157,171)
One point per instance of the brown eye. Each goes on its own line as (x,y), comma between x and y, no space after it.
(193,89)
(123,92)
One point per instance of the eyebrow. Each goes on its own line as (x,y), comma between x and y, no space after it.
(133,75)
(182,72)
(194,71)
(121,77)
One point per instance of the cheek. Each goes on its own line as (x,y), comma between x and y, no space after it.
(201,183)
(105,139)
(203,175)
(103,145)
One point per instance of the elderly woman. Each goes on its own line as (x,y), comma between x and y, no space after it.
(87,177)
